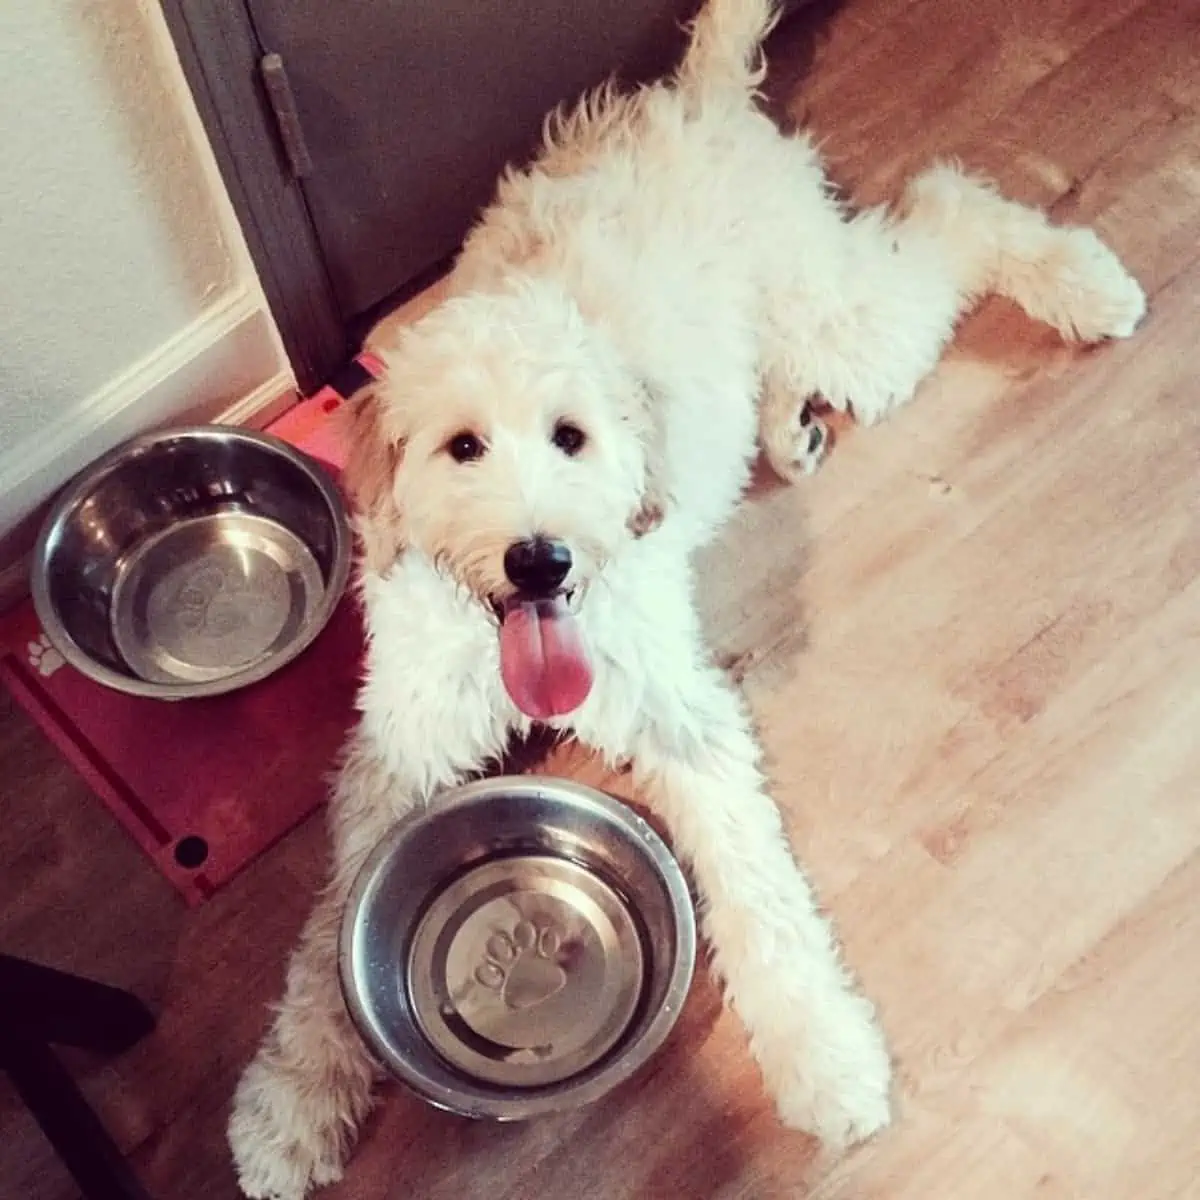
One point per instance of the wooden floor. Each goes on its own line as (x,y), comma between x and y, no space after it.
(973,641)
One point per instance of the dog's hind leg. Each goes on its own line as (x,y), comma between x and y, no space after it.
(793,437)
(865,330)
(859,331)
(1062,275)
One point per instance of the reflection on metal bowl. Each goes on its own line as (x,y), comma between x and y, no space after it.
(521,946)
(191,562)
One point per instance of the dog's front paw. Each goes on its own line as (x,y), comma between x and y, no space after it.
(286,1138)
(834,1077)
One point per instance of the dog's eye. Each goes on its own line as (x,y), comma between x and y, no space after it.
(568,438)
(465,447)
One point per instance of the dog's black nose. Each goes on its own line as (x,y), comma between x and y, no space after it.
(537,566)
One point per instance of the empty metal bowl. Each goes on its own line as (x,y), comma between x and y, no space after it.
(519,947)
(191,562)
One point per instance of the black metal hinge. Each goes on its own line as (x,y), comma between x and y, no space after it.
(287,117)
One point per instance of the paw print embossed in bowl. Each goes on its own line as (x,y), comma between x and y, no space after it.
(521,946)
(521,967)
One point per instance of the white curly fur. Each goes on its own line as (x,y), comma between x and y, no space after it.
(673,276)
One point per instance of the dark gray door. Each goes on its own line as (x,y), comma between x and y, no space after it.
(409,109)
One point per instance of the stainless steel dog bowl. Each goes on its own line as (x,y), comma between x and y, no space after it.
(520,947)
(191,562)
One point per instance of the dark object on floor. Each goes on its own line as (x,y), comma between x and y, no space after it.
(43,1007)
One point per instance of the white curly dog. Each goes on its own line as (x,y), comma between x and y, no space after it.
(660,294)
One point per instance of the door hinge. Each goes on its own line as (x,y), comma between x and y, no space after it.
(287,117)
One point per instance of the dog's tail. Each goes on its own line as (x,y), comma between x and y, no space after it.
(724,55)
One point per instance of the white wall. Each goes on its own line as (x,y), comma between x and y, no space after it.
(127,297)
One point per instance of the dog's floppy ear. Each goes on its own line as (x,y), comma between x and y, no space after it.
(656,498)
(372,460)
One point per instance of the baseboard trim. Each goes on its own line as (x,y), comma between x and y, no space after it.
(265,404)
(214,365)
(255,410)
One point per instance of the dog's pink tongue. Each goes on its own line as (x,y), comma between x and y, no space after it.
(543,661)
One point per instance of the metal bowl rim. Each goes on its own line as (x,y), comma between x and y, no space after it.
(77,490)
(631,1056)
